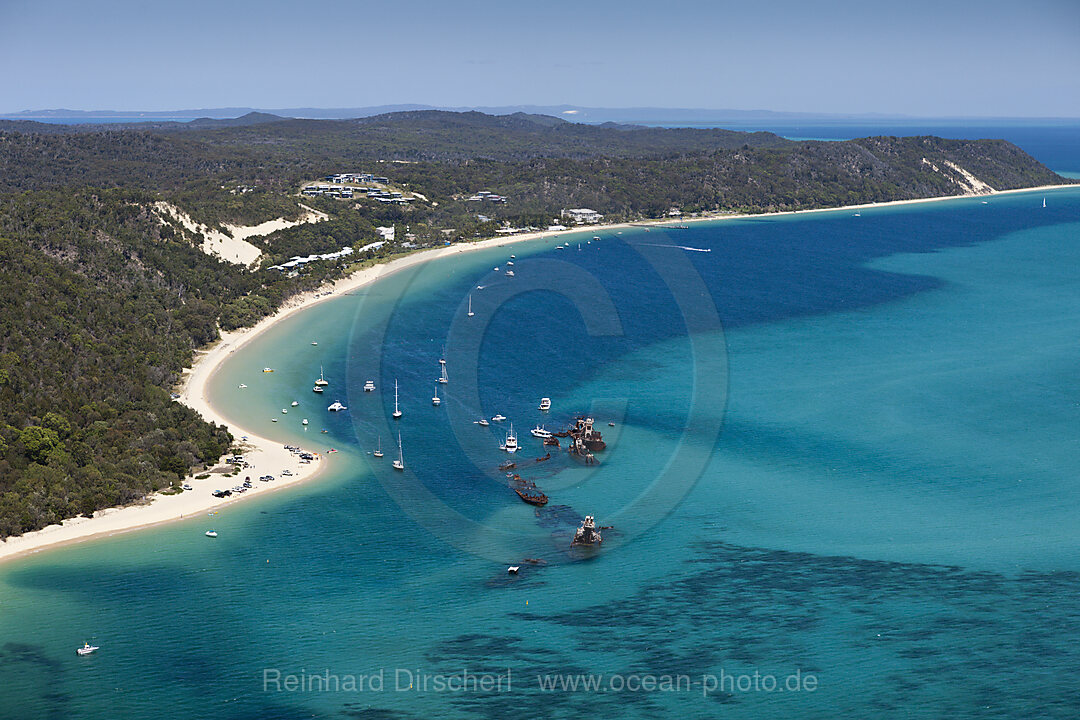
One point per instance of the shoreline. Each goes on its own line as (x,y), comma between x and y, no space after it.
(268,456)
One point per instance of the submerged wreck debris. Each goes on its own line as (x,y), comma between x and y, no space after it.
(532,496)
(587,534)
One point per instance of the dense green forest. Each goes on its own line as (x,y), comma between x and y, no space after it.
(104,298)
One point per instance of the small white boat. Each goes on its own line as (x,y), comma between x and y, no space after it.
(369,386)
(322,379)
(545,404)
(284,411)
(314,343)
(295,403)
(317,388)
(509,262)
(540,432)
(496,269)
(211,533)
(498,418)
(336,406)
(558,247)
(87,648)
(304,422)
(268,369)
(471,313)
(509,273)
(399,464)
(1044,202)
(435,400)
(397,410)
(482,422)
(378,450)
(242,386)
(513,257)
(273,419)
(513,569)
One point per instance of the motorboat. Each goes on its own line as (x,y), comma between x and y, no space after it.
(314,343)
(304,422)
(509,273)
(511,443)
(498,418)
(295,403)
(540,432)
(545,404)
(317,388)
(86,649)
(369,386)
(211,533)
(482,422)
(336,406)
(266,369)
(242,386)
(284,411)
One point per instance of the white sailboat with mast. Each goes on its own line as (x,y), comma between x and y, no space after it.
(397,410)
(378,450)
(399,464)
(471,313)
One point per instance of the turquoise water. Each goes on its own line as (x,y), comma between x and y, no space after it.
(845,448)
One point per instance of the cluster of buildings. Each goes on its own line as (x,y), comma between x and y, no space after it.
(342,178)
(339,187)
(298,261)
(485,196)
(583,216)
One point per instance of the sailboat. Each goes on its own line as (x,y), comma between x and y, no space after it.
(435,400)
(443,378)
(399,464)
(1044,202)
(322,380)
(397,410)
(378,450)
(471,313)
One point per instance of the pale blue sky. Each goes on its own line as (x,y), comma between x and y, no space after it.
(916,57)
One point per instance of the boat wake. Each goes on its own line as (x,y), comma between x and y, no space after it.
(680,247)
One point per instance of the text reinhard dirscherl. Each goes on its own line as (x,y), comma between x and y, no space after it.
(415,680)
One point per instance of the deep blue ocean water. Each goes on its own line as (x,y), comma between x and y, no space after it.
(844,448)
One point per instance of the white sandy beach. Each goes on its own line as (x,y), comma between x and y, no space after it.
(269,456)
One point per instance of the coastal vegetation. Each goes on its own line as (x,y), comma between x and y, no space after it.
(104,300)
